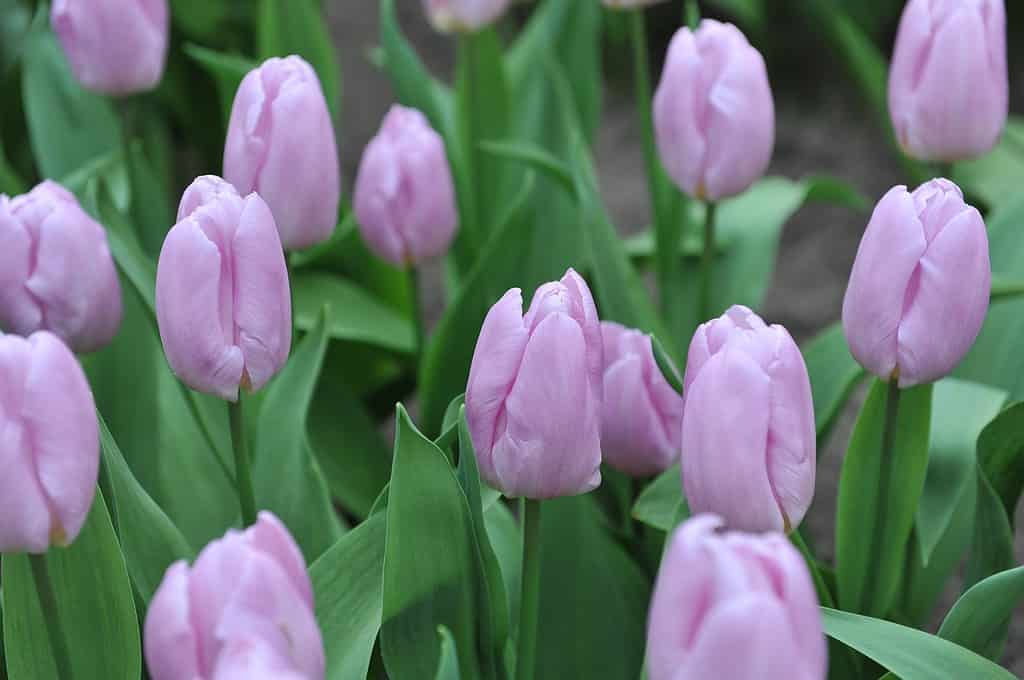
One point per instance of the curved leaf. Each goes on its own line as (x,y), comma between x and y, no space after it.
(979,619)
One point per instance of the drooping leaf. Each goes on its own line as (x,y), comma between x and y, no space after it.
(980,618)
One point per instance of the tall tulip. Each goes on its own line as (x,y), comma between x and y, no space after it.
(948,84)
(243,610)
(281,145)
(748,424)
(733,606)
(642,416)
(49,444)
(533,401)
(919,290)
(56,272)
(116,47)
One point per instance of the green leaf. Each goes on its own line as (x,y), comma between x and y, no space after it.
(960,410)
(750,13)
(448,667)
(348,583)
(430,561)
(150,541)
(357,316)
(200,18)
(286,475)
(666,365)
(227,71)
(10,183)
(909,653)
(871,534)
(298,27)
(661,504)
(96,608)
(593,597)
(980,618)
(535,157)
(992,549)
(67,125)
(996,177)
(1001,455)
(833,372)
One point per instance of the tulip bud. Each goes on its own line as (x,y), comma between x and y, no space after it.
(920,285)
(245,605)
(642,415)
(714,117)
(404,199)
(281,145)
(115,47)
(49,444)
(222,297)
(451,16)
(948,84)
(748,424)
(533,402)
(56,272)
(732,605)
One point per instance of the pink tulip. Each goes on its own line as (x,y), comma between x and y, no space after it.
(222,296)
(642,416)
(919,290)
(404,196)
(533,402)
(281,145)
(733,606)
(714,117)
(49,444)
(948,85)
(243,610)
(116,47)
(56,272)
(748,424)
(450,16)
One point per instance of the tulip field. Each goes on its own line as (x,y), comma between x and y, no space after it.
(439,417)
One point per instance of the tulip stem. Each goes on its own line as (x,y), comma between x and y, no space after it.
(530,591)
(707,263)
(889,428)
(417,314)
(48,605)
(692,14)
(243,471)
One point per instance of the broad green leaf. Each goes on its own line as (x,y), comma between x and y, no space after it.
(200,18)
(979,619)
(448,667)
(507,541)
(298,27)
(15,20)
(1001,455)
(661,502)
(430,562)
(356,316)
(348,586)
(151,213)
(67,125)
(150,541)
(535,157)
(910,654)
(95,603)
(227,71)
(593,597)
(871,531)
(833,372)
(960,411)
(992,548)
(996,177)
(286,475)
(444,369)
(10,183)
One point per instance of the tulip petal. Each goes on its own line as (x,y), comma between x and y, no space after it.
(253,659)
(682,145)
(19,312)
(170,643)
(271,537)
(634,438)
(378,185)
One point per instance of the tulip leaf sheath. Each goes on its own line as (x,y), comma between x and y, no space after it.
(871,533)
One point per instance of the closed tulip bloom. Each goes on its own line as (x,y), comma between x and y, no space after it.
(948,84)
(733,606)
(281,145)
(642,415)
(714,118)
(920,285)
(116,47)
(533,402)
(222,297)
(49,444)
(748,424)
(449,16)
(243,610)
(404,197)
(56,272)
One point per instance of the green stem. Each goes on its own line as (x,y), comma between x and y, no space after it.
(707,263)
(243,472)
(892,414)
(417,313)
(692,14)
(824,596)
(48,605)
(190,400)
(529,594)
